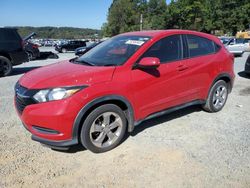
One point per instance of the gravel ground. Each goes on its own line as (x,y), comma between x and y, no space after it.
(188,148)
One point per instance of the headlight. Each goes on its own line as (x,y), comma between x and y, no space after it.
(56,93)
(82,50)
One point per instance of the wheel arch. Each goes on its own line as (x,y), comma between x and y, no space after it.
(225,77)
(120,101)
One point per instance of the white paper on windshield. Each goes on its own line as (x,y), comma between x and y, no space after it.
(135,42)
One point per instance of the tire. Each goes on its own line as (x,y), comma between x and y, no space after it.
(6,66)
(103,129)
(64,50)
(30,56)
(217,97)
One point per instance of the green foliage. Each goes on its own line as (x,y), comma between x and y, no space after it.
(211,16)
(124,16)
(58,32)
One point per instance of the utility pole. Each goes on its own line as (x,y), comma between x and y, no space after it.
(141,21)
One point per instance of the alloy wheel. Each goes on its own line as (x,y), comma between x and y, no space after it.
(220,96)
(105,129)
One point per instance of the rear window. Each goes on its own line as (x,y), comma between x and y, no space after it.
(198,46)
(9,35)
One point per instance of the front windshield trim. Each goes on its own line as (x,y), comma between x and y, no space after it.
(115,51)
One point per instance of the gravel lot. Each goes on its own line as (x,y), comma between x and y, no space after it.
(188,148)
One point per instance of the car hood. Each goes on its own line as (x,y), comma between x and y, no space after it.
(66,74)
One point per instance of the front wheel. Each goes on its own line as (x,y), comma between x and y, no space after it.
(104,128)
(217,97)
(5,66)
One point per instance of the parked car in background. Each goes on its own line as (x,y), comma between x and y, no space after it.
(48,43)
(247,65)
(11,50)
(82,50)
(31,48)
(238,46)
(95,99)
(225,40)
(70,46)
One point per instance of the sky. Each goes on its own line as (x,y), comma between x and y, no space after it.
(58,13)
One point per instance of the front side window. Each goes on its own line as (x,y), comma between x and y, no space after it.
(114,51)
(198,46)
(167,49)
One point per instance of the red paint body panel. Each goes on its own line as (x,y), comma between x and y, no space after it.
(148,91)
(66,74)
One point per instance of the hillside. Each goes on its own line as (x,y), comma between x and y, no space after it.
(59,32)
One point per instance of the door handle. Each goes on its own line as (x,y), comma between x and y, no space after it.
(182,67)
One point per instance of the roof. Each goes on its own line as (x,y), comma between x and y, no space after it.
(8,28)
(158,33)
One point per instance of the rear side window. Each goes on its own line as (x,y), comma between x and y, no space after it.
(198,46)
(240,41)
(167,49)
(246,41)
(9,35)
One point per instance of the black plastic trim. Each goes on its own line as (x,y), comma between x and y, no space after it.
(129,114)
(223,75)
(170,110)
(63,143)
(45,130)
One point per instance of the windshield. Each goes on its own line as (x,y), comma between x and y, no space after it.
(114,51)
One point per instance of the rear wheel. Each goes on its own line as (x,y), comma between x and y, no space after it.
(30,56)
(5,66)
(104,128)
(217,97)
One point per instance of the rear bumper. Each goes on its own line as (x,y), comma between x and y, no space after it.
(18,58)
(237,53)
(36,53)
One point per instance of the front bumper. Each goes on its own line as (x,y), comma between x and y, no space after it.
(57,144)
(51,123)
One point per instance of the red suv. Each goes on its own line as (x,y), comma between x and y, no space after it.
(95,99)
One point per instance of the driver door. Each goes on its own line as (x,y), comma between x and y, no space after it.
(164,87)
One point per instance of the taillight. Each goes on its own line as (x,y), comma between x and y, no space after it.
(232,57)
(22,44)
(34,46)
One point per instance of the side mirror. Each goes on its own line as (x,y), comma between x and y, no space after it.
(148,63)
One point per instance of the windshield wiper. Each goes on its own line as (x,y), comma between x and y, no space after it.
(109,65)
(83,62)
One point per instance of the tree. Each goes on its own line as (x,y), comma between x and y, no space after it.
(227,16)
(122,17)
(155,15)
